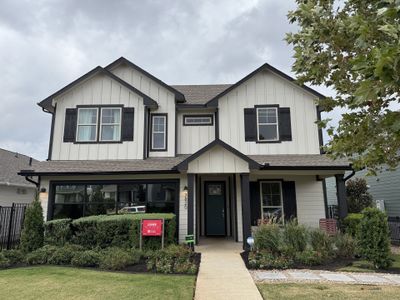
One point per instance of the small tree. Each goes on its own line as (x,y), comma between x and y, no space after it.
(358,196)
(374,238)
(32,234)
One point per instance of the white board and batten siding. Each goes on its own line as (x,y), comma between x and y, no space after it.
(164,98)
(98,90)
(193,138)
(218,160)
(269,88)
(309,196)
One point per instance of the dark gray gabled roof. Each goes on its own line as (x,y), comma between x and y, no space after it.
(200,94)
(106,167)
(10,164)
(47,103)
(300,162)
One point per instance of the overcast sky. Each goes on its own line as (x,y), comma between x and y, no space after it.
(46,44)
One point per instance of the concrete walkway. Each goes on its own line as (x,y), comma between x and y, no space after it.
(222,273)
(325,276)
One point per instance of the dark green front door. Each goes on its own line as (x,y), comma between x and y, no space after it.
(214,196)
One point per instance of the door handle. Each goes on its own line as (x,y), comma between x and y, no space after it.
(223,213)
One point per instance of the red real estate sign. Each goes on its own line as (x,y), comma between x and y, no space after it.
(152,227)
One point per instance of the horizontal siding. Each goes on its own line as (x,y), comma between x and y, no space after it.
(268,88)
(99,90)
(9,195)
(193,138)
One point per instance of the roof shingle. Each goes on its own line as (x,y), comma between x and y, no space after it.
(200,94)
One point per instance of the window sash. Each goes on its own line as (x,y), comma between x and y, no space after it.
(117,125)
(82,125)
(262,183)
(156,130)
(276,123)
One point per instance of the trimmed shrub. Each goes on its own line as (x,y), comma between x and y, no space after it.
(351,224)
(268,237)
(63,255)
(266,260)
(173,259)
(117,259)
(4,261)
(32,232)
(321,242)
(40,256)
(294,238)
(57,232)
(14,256)
(88,258)
(309,258)
(345,245)
(357,194)
(119,231)
(374,238)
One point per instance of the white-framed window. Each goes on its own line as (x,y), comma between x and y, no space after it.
(110,124)
(198,120)
(271,200)
(267,124)
(86,129)
(158,132)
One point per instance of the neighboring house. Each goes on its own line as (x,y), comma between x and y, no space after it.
(14,188)
(220,157)
(385,186)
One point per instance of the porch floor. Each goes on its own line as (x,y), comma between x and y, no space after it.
(222,273)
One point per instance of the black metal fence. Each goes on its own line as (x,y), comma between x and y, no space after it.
(394,227)
(333,212)
(11,221)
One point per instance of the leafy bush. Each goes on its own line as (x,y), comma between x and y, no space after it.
(14,256)
(266,260)
(294,238)
(40,256)
(268,237)
(374,238)
(358,196)
(63,255)
(309,258)
(345,245)
(57,232)
(117,259)
(351,224)
(119,230)
(321,242)
(172,259)
(88,258)
(32,232)
(4,261)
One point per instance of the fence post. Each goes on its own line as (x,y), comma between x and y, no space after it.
(10,226)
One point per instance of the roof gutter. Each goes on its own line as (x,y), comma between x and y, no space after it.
(353,172)
(32,181)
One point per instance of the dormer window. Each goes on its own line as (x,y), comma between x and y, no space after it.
(267,124)
(87,125)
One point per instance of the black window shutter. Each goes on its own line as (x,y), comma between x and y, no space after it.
(255,202)
(70,125)
(285,128)
(127,123)
(250,124)
(289,200)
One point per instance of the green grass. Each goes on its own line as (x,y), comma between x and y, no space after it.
(49,282)
(287,291)
(365,266)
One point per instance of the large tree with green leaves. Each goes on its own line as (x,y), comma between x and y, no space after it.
(353,47)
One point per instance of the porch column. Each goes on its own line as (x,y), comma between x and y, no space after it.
(190,204)
(341,196)
(246,213)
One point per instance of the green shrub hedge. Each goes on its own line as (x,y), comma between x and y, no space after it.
(108,231)
(351,224)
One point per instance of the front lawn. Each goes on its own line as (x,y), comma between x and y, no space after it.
(50,282)
(365,266)
(287,291)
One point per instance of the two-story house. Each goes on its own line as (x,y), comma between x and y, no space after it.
(221,157)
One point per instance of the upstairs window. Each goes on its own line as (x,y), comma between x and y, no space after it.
(110,124)
(158,132)
(87,125)
(198,120)
(267,124)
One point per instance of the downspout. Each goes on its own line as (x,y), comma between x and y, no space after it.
(32,181)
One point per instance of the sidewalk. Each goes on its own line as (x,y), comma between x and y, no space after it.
(325,276)
(222,273)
